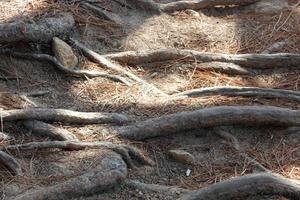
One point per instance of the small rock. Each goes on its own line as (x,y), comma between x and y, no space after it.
(192,13)
(64,53)
(188,172)
(269,6)
(182,156)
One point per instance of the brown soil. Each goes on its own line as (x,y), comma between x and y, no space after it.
(226,30)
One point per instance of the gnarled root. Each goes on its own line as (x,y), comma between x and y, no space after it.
(111,172)
(130,154)
(245,186)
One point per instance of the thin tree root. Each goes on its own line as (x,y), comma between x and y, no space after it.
(239,91)
(43,129)
(62,115)
(68,71)
(132,156)
(255,61)
(95,57)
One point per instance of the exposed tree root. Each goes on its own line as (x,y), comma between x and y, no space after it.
(71,72)
(239,91)
(262,61)
(200,4)
(10,163)
(93,56)
(148,5)
(43,129)
(103,13)
(276,46)
(130,154)
(111,172)
(163,189)
(61,115)
(233,141)
(42,31)
(245,186)
(210,117)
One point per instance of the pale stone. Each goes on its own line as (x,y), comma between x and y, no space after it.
(64,53)
(182,156)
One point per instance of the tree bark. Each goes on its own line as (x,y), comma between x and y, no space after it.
(245,186)
(10,163)
(41,31)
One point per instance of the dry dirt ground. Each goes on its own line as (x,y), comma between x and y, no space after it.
(226,30)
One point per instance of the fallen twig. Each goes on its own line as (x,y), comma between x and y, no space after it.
(43,129)
(263,61)
(239,91)
(62,115)
(41,31)
(245,186)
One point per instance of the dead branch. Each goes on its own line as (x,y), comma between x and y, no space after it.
(210,117)
(43,129)
(233,141)
(263,61)
(103,13)
(239,91)
(62,115)
(95,57)
(41,31)
(129,154)
(71,72)
(111,172)
(10,163)
(200,4)
(245,186)
(155,188)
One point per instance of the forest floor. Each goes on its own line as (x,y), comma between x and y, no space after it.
(223,30)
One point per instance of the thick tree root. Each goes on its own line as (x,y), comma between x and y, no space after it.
(10,163)
(200,4)
(155,188)
(130,155)
(245,186)
(68,71)
(61,115)
(262,61)
(111,172)
(210,117)
(239,91)
(42,31)
(43,129)
(233,141)
(95,57)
